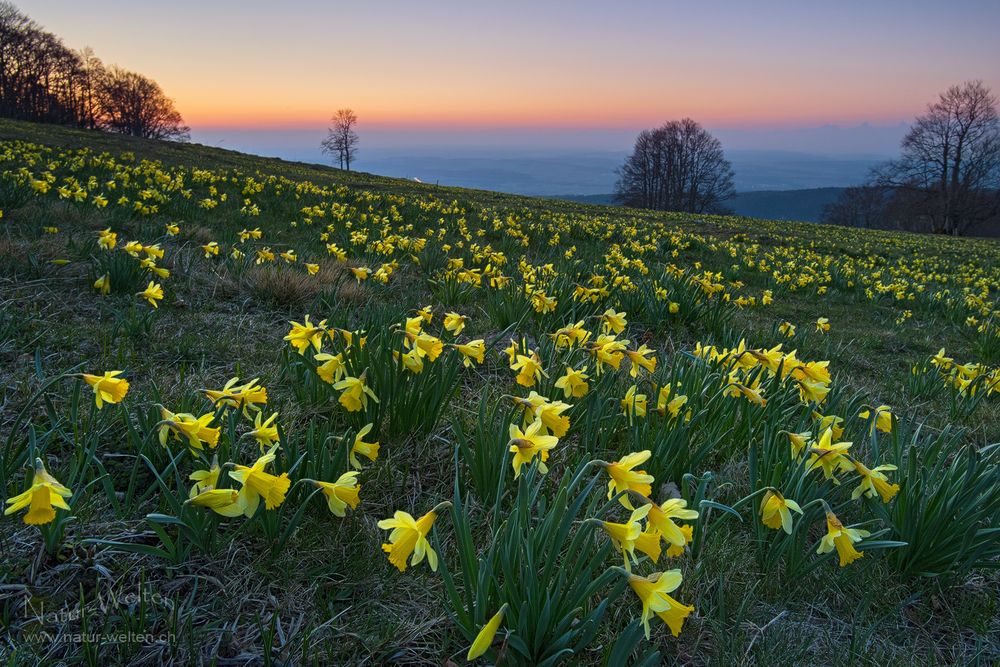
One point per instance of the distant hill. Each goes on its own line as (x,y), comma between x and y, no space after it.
(804,205)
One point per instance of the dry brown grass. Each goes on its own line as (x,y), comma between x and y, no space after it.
(198,234)
(11,257)
(283,285)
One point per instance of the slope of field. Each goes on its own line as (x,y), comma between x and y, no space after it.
(451,327)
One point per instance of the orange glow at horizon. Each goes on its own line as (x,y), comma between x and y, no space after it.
(454,64)
(564,109)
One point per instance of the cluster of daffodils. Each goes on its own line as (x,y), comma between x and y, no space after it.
(200,433)
(380,234)
(567,277)
(145,255)
(967,379)
(418,347)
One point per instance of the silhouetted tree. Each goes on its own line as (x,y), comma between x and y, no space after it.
(134,104)
(860,206)
(678,166)
(948,174)
(341,139)
(37,73)
(91,78)
(42,80)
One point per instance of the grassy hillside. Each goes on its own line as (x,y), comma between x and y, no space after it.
(184,266)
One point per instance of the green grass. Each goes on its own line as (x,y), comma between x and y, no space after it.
(331,598)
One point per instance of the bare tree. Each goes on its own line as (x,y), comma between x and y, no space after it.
(950,162)
(134,104)
(678,166)
(860,206)
(91,78)
(37,72)
(341,139)
(42,80)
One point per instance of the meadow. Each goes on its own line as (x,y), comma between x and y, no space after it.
(262,412)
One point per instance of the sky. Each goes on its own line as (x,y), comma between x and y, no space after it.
(833,78)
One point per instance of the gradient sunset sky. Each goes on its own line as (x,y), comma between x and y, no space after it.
(513,64)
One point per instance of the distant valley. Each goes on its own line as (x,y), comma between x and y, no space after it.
(805,205)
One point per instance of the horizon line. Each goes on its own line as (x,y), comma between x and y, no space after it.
(381,126)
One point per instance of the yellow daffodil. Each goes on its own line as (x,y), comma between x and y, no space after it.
(412,361)
(41,499)
(426,345)
(103,284)
(529,369)
(941,361)
(526,445)
(354,393)
(409,536)
(264,432)
(675,550)
(799,442)
(874,482)
(108,388)
(573,383)
(133,248)
(607,351)
(486,635)
(634,403)
(366,449)
(883,417)
(205,479)
(661,517)
(829,456)
(341,494)
(667,402)
(775,511)
(257,484)
(302,336)
(246,396)
(648,542)
(842,539)
(832,422)
(153,293)
(612,322)
(474,350)
(624,535)
(221,501)
(454,323)
(195,430)
(641,359)
(331,368)
(549,412)
(625,478)
(653,593)
(107,239)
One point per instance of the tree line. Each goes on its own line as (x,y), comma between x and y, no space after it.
(43,80)
(947,177)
